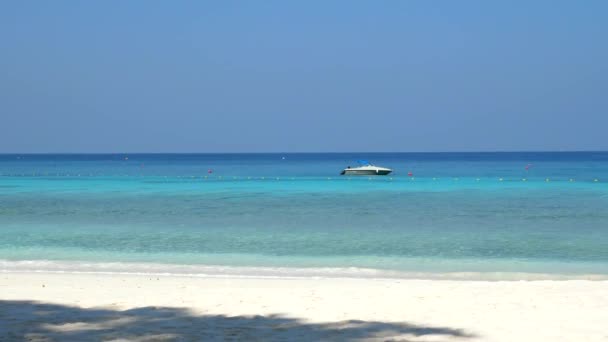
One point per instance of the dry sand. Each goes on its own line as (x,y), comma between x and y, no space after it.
(88,307)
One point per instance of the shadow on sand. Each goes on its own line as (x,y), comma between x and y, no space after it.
(35,321)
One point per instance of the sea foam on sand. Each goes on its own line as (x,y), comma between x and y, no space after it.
(83,307)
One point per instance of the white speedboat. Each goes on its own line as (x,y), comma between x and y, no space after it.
(366,169)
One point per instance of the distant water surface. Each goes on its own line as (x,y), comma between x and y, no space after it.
(544,213)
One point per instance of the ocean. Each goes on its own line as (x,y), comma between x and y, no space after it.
(438,215)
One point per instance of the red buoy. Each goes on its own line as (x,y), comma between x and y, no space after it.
(410,174)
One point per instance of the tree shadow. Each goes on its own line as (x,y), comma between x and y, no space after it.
(36,321)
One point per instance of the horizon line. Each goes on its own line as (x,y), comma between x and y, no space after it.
(312,152)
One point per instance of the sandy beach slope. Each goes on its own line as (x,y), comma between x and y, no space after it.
(86,307)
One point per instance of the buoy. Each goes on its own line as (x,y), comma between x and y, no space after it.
(410,174)
(210,171)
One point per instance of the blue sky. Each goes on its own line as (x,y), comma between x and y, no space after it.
(224,76)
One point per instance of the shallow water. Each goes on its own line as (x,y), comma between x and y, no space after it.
(461,212)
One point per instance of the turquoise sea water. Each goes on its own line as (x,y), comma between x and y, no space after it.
(277,214)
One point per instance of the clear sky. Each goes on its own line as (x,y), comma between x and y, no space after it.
(287,76)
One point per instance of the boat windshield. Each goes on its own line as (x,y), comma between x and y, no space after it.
(363,162)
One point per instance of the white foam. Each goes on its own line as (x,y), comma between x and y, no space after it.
(217,271)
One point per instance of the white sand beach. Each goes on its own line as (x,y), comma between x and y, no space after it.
(93,307)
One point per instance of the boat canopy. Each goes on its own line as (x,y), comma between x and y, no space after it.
(363,162)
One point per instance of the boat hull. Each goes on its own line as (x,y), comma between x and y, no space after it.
(352,172)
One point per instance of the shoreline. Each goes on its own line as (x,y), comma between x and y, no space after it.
(461,276)
(268,272)
(144,307)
